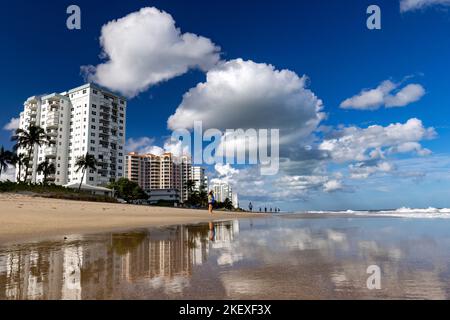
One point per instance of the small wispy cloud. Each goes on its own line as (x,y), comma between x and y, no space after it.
(387,94)
(12,125)
(413,5)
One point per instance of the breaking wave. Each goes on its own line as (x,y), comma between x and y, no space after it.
(401,213)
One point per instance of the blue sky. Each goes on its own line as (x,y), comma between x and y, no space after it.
(325,40)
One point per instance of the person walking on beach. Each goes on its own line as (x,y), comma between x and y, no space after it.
(211,201)
(250,207)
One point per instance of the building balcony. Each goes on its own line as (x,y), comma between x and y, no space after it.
(32,106)
(52,120)
(52,133)
(51,152)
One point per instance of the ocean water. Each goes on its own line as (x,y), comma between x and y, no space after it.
(282,257)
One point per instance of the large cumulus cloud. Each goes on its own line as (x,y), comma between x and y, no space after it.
(145,48)
(244,94)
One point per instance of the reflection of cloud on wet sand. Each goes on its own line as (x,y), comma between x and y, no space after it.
(289,260)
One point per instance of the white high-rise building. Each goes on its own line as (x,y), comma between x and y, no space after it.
(223,191)
(83,120)
(200,178)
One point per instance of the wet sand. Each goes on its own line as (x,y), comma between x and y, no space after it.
(256,259)
(25,217)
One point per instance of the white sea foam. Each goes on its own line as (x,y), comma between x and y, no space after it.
(401,213)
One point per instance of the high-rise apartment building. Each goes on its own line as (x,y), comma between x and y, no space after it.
(223,191)
(200,179)
(164,172)
(83,120)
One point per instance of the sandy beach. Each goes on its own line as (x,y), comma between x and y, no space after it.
(25,217)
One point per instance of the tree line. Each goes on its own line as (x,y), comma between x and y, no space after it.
(199,198)
(21,157)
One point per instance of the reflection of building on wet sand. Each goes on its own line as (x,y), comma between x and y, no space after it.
(93,269)
(33,274)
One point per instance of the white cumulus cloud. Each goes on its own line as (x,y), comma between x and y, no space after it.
(140,145)
(411,5)
(387,94)
(356,144)
(332,186)
(244,94)
(145,48)
(12,125)
(146,145)
(363,170)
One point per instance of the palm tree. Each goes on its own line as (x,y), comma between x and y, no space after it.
(47,169)
(203,195)
(190,185)
(228,204)
(84,163)
(28,140)
(5,159)
(19,160)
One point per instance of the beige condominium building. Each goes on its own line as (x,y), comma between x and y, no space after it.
(83,120)
(164,172)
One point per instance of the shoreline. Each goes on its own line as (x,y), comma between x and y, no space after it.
(28,218)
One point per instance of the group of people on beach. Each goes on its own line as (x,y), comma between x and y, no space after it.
(212,200)
(271,210)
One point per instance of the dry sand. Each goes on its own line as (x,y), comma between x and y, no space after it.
(25,217)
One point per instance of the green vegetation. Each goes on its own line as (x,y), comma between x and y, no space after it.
(51,191)
(6,159)
(47,169)
(196,198)
(128,190)
(227,205)
(199,199)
